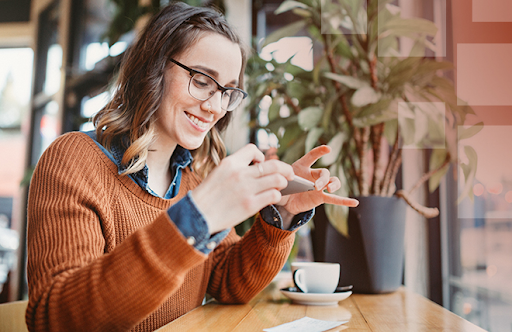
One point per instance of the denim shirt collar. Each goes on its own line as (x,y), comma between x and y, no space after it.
(180,159)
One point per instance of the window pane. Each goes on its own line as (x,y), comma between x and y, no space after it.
(481,289)
(15,89)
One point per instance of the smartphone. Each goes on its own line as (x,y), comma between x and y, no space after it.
(298,185)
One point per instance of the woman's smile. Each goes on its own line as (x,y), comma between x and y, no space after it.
(200,123)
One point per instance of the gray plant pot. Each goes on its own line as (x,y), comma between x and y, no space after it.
(372,257)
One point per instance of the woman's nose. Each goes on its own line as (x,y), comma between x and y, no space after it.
(214,103)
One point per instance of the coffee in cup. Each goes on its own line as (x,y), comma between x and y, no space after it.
(316,277)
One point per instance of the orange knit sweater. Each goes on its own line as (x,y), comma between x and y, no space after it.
(103,254)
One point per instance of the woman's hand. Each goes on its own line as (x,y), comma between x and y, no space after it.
(236,190)
(296,203)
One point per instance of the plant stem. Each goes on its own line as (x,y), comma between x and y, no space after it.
(376,133)
(376,138)
(423,210)
(373,71)
(384,188)
(396,166)
(348,154)
(363,165)
(428,175)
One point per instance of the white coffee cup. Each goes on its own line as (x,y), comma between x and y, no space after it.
(316,277)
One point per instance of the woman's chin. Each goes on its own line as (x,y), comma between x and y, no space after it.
(192,145)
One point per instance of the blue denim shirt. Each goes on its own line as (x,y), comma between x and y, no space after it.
(185,214)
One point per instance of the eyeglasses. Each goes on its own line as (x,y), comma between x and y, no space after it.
(202,87)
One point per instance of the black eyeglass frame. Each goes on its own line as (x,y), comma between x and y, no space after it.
(223,89)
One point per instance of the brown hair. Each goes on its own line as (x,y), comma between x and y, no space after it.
(128,117)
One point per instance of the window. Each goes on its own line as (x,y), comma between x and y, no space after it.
(15,89)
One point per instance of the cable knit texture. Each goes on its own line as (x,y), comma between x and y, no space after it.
(103,254)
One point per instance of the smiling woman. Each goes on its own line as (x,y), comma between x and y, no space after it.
(130,225)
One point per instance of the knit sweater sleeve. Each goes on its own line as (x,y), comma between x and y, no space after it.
(74,284)
(244,267)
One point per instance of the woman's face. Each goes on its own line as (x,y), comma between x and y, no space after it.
(182,119)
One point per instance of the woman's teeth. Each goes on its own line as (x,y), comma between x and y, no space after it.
(199,123)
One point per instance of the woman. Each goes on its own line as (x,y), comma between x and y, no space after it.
(131,225)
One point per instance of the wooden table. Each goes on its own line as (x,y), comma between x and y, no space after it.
(398,311)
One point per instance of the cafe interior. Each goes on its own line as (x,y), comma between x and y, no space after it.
(442,261)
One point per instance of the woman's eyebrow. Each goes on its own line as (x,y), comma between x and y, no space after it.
(213,73)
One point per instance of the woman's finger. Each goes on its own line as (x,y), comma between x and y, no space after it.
(334,184)
(271,181)
(266,198)
(248,154)
(271,167)
(338,200)
(312,156)
(321,176)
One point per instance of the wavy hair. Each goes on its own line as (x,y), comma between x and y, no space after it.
(128,118)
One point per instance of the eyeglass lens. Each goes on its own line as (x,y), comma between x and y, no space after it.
(202,87)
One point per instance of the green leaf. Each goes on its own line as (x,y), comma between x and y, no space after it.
(405,111)
(437,158)
(435,179)
(302,12)
(464,133)
(349,81)
(317,69)
(409,27)
(418,48)
(390,128)
(337,214)
(427,66)
(342,47)
(365,96)
(335,144)
(375,109)
(286,31)
(406,129)
(312,138)
(309,117)
(296,150)
(382,111)
(420,127)
(291,134)
(328,109)
(469,170)
(273,110)
(289,5)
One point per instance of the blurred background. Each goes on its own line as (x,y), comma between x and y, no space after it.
(57,58)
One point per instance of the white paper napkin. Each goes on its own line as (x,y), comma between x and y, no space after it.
(306,324)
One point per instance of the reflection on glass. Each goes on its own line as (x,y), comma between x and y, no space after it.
(53,70)
(49,124)
(301,48)
(266,140)
(484,292)
(118,48)
(91,106)
(94,53)
(15,83)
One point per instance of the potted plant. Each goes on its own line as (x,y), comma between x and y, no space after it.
(366,101)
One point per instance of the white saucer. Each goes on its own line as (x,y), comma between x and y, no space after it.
(314,298)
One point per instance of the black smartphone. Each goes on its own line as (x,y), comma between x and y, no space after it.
(298,185)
